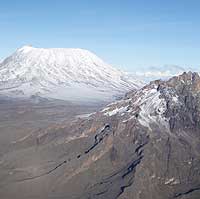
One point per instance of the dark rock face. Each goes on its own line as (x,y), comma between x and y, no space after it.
(145,146)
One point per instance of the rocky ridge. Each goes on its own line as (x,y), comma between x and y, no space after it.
(145,146)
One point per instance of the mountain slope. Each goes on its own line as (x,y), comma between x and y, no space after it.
(62,73)
(145,146)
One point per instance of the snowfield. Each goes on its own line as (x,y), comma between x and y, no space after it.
(62,73)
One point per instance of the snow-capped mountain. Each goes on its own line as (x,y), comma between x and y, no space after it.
(63,74)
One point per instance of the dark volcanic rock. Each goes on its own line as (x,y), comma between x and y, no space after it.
(145,146)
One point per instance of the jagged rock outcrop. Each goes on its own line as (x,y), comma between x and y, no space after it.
(145,146)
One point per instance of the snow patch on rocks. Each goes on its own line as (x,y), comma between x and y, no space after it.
(152,108)
(116,111)
(148,105)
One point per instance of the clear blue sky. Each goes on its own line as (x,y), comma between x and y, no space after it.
(126,33)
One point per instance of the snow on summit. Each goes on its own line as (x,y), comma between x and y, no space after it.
(63,73)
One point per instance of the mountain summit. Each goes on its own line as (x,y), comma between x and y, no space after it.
(62,73)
